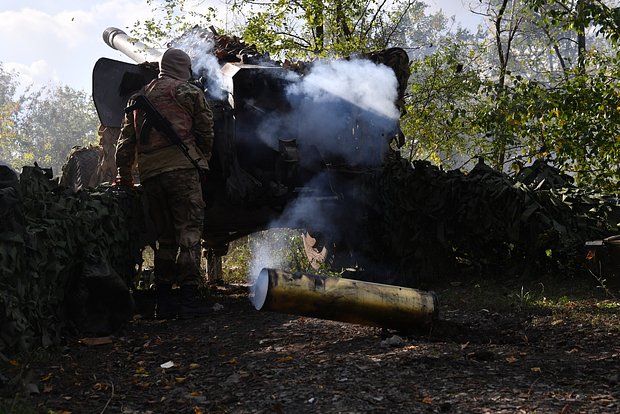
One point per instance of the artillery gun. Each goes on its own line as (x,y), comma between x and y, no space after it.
(266,159)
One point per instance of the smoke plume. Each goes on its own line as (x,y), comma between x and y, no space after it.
(198,44)
(264,256)
(343,111)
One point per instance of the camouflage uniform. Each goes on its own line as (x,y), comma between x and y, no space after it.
(170,181)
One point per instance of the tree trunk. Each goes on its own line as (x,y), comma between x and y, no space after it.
(319,28)
(342,21)
(581,38)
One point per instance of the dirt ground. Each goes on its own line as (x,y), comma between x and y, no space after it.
(523,357)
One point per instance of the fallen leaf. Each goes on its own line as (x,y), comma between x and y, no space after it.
(143,385)
(104,340)
(14,363)
(194,366)
(511,359)
(427,400)
(101,386)
(232,361)
(167,365)
(536,370)
(46,378)
(198,411)
(195,394)
(285,359)
(180,380)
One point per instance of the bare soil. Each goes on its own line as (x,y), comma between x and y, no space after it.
(492,351)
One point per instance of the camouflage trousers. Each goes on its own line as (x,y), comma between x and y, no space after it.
(177,210)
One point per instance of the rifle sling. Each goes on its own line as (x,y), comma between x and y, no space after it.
(143,103)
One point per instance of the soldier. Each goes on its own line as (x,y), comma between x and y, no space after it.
(170,180)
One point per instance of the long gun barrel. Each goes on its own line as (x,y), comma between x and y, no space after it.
(136,51)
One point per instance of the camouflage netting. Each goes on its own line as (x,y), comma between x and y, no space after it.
(66,259)
(429,223)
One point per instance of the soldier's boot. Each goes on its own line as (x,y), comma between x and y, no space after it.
(192,305)
(167,304)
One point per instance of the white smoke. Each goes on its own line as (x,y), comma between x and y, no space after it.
(362,83)
(199,47)
(342,109)
(266,253)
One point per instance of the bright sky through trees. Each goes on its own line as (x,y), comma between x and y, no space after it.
(60,41)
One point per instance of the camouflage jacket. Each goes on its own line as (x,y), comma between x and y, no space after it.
(184,105)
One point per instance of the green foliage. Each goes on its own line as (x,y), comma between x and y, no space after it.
(50,122)
(575,123)
(455,116)
(285,251)
(171,18)
(7,130)
(8,85)
(297,29)
(311,28)
(8,108)
(577,15)
(578,123)
(440,105)
(43,125)
(523,299)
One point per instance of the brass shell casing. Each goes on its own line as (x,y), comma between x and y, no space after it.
(341,299)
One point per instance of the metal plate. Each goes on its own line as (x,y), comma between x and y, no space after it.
(113,83)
